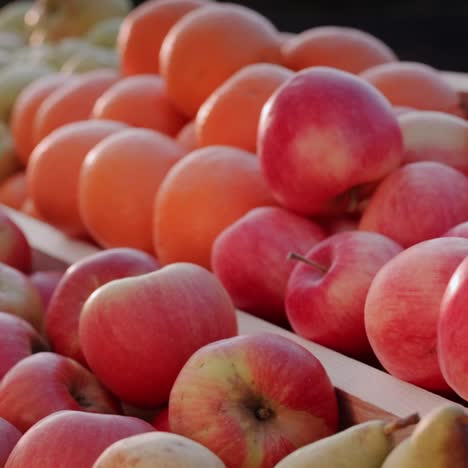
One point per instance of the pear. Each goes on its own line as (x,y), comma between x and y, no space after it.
(364,445)
(440,440)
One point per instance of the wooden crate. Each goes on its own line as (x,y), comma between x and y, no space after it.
(364,392)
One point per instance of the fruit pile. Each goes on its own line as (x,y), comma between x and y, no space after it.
(312,180)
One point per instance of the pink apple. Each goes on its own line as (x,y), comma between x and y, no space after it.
(72,439)
(403,307)
(15,250)
(452,331)
(45,383)
(18,340)
(46,281)
(161,421)
(9,437)
(249,257)
(460,230)
(19,296)
(253,399)
(435,136)
(322,135)
(137,333)
(79,281)
(417,202)
(327,290)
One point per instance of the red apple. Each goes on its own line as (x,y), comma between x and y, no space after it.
(403,307)
(46,281)
(452,332)
(327,290)
(18,340)
(435,136)
(249,257)
(18,296)
(137,333)
(253,399)
(161,421)
(80,280)
(15,250)
(9,437)
(322,135)
(460,230)
(72,439)
(417,202)
(45,383)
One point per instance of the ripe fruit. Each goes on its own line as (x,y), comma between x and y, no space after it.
(220,184)
(73,439)
(9,437)
(231,114)
(147,24)
(187,137)
(250,258)
(418,201)
(46,281)
(249,385)
(323,135)
(44,383)
(347,49)
(54,168)
(208,45)
(13,190)
(170,313)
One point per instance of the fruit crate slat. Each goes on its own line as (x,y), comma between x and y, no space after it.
(364,392)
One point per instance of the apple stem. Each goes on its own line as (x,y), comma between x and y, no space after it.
(301,258)
(401,423)
(263,413)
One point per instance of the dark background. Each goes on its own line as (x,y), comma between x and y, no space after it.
(430,31)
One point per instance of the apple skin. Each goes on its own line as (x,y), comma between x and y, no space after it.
(460,230)
(79,281)
(72,439)
(435,136)
(244,398)
(15,250)
(9,437)
(417,202)
(18,340)
(403,307)
(452,332)
(170,313)
(323,132)
(18,296)
(45,383)
(46,281)
(161,421)
(250,258)
(328,307)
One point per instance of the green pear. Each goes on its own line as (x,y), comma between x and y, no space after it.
(12,16)
(52,20)
(105,33)
(440,440)
(364,445)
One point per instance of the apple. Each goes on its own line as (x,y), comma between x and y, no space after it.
(18,340)
(19,296)
(44,383)
(9,437)
(435,136)
(327,289)
(72,439)
(323,135)
(253,399)
(52,20)
(157,450)
(15,250)
(79,281)
(137,333)
(417,202)
(452,331)
(249,257)
(460,230)
(161,420)
(403,307)
(46,281)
